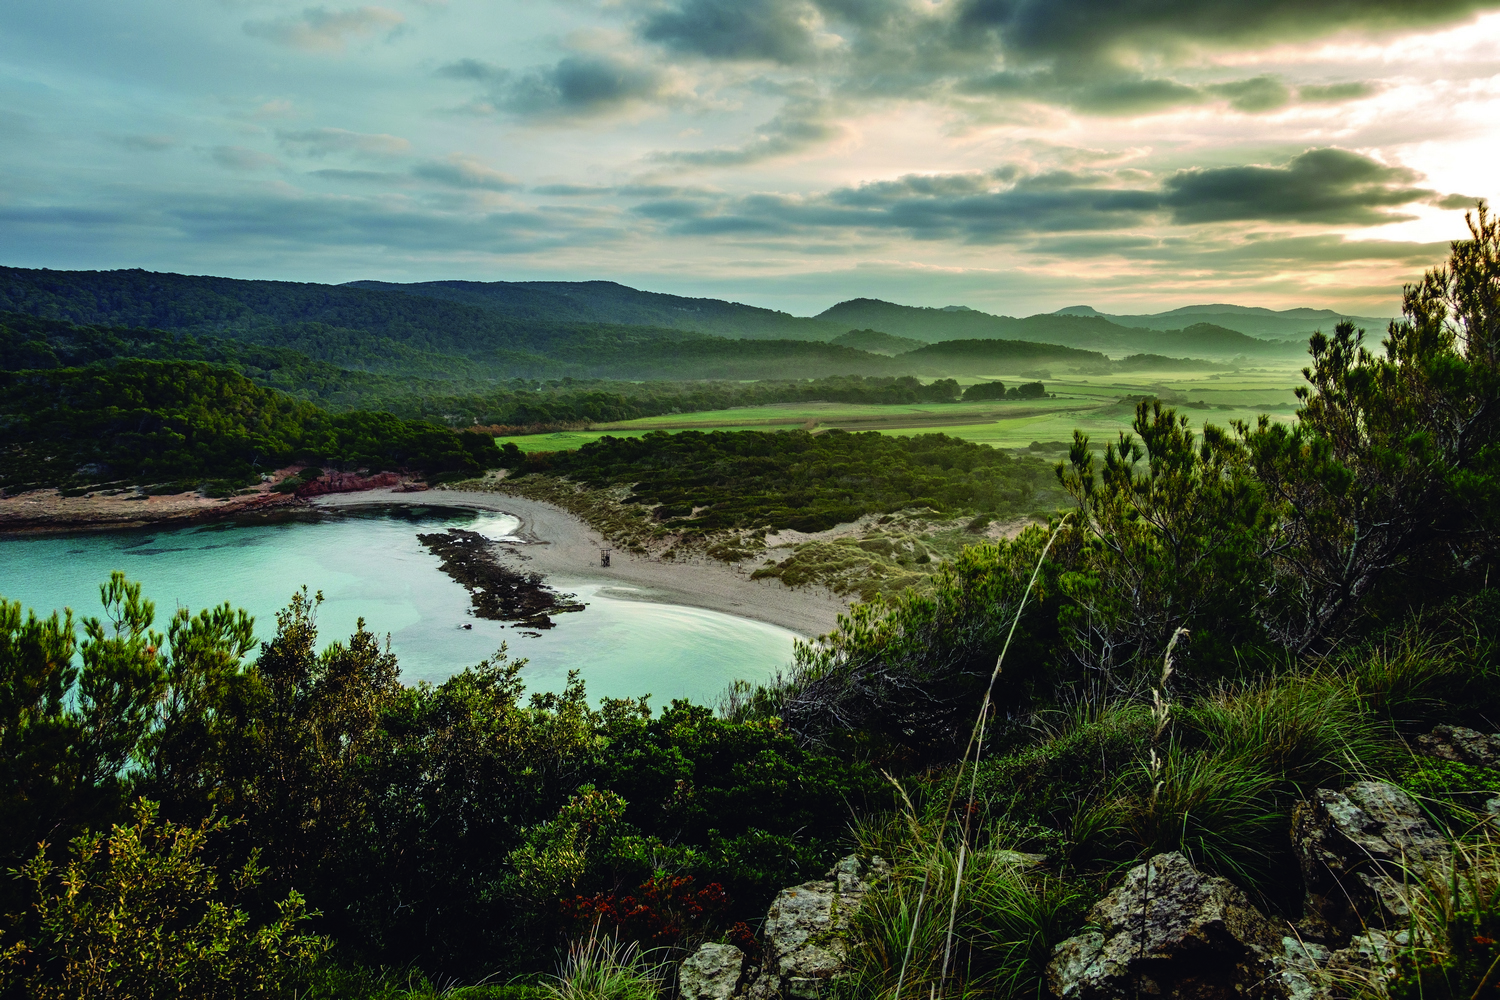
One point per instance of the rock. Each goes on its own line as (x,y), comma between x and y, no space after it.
(1298,969)
(1456,743)
(711,973)
(1167,930)
(1359,850)
(805,943)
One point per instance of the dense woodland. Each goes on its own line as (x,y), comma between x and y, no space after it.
(189,425)
(193,814)
(698,482)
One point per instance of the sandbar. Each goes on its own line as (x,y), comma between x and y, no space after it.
(559,545)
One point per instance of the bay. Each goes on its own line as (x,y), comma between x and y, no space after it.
(369,564)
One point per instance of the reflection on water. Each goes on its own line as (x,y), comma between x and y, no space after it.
(369,564)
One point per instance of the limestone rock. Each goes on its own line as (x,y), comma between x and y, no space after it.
(1169,931)
(1456,743)
(1359,849)
(711,973)
(805,933)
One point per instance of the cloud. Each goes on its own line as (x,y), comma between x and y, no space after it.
(1104,90)
(465,172)
(318,29)
(323,141)
(360,176)
(242,158)
(781,31)
(1332,186)
(1460,201)
(1328,186)
(573,190)
(1083,29)
(1259,93)
(579,85)
(153,143)
(799,125)
(1333,93)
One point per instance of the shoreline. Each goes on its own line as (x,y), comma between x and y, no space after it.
(48,512)
(563,548)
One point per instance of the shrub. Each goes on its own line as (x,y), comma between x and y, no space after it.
(140,914)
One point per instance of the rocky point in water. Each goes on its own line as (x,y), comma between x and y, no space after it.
(498,593)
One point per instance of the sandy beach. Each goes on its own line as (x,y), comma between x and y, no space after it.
(554,543)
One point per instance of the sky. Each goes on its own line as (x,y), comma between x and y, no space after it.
(1017,156)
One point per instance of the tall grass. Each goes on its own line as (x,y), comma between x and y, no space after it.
(600,967)
(1010,916)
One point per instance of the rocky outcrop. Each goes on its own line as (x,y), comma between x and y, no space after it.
(1359,850)
(1456,743)
(713,972)
(805,937)
(1168,930)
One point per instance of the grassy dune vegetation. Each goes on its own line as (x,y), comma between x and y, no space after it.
(1215,621)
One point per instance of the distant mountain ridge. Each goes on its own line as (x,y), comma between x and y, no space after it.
(449,329)
(1088,332)
(1283,324)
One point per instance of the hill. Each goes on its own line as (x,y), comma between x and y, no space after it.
(613,303)
(1092,332)
(1271,324)
(876,342)
(400,334)
(981,356)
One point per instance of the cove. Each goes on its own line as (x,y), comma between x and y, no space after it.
(368,563)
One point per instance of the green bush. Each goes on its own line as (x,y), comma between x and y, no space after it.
(141,914)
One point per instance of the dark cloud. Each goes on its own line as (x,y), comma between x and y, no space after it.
(1082,29)
(320,29)
(319,142)
(465,172)
(583,84)
(780,31)
(1331,186)
(1105,90)
(1451,201)
(1259,93)
(472,69)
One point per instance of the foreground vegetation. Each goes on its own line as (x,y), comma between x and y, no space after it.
(1219,623)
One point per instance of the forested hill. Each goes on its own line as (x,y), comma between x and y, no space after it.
(983,355)
(613,303)
(1092,332)
(190,425)
(412,335)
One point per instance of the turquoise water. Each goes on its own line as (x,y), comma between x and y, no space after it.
(370,565)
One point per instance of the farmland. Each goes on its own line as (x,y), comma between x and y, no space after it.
(1098,405)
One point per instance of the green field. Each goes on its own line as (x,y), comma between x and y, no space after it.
(1095,405)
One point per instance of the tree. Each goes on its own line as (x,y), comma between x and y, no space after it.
(1392,470)
(1173,545)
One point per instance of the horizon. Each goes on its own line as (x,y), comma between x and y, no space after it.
(1061,310)
(1014,157)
